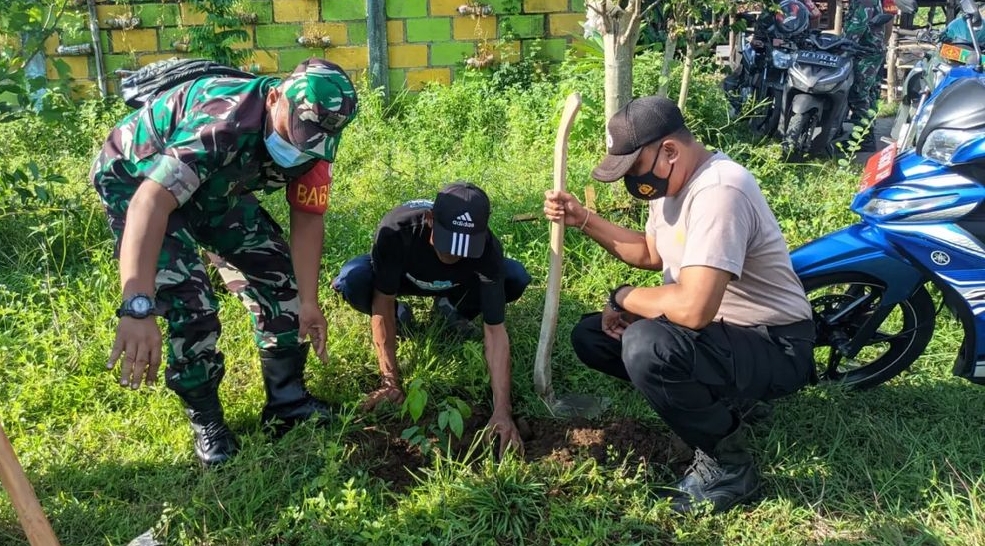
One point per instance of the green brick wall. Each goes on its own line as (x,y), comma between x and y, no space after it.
(428,39)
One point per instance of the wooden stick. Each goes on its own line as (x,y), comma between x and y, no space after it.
(548,326)
(32,518)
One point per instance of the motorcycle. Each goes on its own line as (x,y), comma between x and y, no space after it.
(814,105)
(957,45)
(759,79)
(922,223)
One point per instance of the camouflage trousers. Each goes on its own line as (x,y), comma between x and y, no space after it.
(246,245)
(865,91)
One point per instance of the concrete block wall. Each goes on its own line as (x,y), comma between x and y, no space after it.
(428,40)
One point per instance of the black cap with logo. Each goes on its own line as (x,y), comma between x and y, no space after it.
(640,122)
(461,220)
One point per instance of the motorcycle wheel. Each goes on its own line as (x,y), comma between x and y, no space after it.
(800,132)
(841,304)
(765,120)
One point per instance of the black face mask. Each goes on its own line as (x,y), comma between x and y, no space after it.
(648,186)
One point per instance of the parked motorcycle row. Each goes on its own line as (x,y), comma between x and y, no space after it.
(921,204)
(792,81)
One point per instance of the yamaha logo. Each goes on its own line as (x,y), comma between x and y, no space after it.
(940,257)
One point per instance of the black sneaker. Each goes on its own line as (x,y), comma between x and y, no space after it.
(405,320)
(453,321)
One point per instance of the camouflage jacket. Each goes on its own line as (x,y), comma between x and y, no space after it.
(202,140)
(857,20)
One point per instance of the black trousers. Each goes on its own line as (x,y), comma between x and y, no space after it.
(684,374)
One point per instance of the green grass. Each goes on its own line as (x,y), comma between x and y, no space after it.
(900,464)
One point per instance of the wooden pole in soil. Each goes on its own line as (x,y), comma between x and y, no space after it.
(548,325)
(32,518)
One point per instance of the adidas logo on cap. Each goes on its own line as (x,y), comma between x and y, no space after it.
(464,220)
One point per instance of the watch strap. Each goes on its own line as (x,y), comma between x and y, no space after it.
(612,298)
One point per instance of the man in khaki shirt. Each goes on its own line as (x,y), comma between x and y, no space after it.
(730,321)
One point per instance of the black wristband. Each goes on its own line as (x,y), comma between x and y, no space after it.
(612,298)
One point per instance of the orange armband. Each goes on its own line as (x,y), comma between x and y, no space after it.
(310,192)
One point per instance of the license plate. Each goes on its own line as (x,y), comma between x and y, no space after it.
(955,53)
(878,167)
(818,58)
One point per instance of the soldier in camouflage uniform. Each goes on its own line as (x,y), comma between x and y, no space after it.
(178,175)
(865,90)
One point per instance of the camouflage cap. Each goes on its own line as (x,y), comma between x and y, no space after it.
(323,101)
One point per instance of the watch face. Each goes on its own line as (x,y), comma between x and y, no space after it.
(141,305)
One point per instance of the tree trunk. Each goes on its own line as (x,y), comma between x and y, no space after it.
(733,41)
(620,32)
(670,49)
(688,64)
(618,73)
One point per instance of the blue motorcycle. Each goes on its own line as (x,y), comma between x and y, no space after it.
(922,222)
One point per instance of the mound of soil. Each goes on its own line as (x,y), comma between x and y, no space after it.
(385,455)
(611,442)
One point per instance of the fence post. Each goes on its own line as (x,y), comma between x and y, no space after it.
(892,59)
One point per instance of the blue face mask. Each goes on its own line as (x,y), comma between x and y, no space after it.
(283,152)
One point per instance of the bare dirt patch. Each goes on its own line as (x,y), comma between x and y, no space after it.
(381,451)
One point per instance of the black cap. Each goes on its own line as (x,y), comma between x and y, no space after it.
(461,220)
(642,121)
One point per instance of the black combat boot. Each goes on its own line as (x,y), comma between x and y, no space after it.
(288,401)
(723,478)
(214,442)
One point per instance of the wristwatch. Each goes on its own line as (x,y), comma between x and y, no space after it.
(612,298)
(137,306)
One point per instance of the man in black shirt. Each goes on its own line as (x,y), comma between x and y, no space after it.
(442,249)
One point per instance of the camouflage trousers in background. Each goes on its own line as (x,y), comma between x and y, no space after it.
(865,91)
(248,247)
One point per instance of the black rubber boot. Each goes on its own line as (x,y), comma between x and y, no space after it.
(288,401)
(724,478)
(214,442)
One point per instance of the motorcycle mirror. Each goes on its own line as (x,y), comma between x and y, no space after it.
(969,7)
(975,60)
